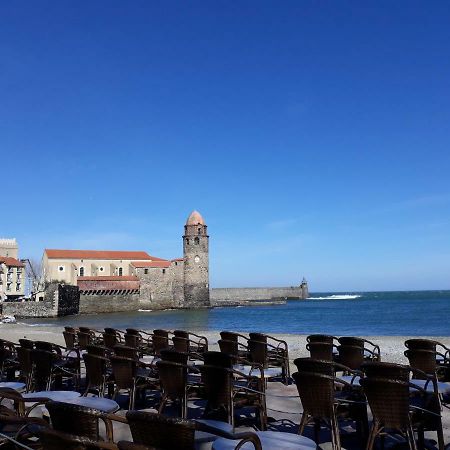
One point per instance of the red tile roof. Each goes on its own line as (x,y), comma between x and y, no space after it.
(11,261)
(178,259)
(111,278)
(97,254)
(163,264)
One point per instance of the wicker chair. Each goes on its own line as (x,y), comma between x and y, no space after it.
(321,338)
(219,359)
(224,397)
(320,350)
(375,369)
(389,400)
(111,338)
(8,360)
(70,338)
(126,377)
(26,343)
(25,366)
(98,350)
(19,402)
(166,433)
(160,341)
(197,343)
(259,352)
(98,374)
(174,386)
(172,355)
(317,394)
(81,421)
(125,351)
(351,356)
(233,348)
(240,339)
(371,350)
(18,429)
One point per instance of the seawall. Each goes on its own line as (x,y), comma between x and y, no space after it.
(235,295)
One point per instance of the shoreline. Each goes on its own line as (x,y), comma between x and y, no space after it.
(391,347)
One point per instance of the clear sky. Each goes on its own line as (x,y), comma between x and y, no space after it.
(314,137)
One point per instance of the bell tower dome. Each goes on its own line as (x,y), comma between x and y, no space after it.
(196,262)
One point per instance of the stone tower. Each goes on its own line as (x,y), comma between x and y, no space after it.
(196,262)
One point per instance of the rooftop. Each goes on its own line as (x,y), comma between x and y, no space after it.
(195,218)
(99,254)
(13,262)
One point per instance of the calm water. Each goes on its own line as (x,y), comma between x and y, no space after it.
(421,313)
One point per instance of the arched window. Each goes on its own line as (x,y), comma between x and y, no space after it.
(120,271)
(187,241)
(81,271)
(197,240)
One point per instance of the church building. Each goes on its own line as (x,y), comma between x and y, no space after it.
(129,275)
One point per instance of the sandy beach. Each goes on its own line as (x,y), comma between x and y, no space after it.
(392,347)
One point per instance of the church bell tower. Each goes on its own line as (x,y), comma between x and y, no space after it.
(196,262)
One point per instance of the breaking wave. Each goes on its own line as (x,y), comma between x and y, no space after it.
(336,297)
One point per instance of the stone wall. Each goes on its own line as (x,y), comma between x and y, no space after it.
(93,304)
(225,295)
(161,287)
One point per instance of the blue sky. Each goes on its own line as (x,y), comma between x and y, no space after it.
(312,136)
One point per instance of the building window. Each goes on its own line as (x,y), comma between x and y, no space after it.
(176,263)
(61,268)
(199,231)
(187,241)
(146,271)
(18,287)
(197,240)
(81,271)
(164,270)
(101,269)
(120,271)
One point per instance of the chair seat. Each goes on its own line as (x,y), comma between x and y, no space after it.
(13,385)
(58,396)
(270,440)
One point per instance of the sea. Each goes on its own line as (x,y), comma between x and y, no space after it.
(400,313)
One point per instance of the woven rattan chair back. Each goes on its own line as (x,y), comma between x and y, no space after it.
(74,419)
(163,433)
(351,356)
(181,333)
(125,351)
(314,365)
(110,339)
(424,360)
(173,355)
(84,339)
(159,343)
(217,383)
(70,338)
(421,344)
(180,344)
(220,359)
(258,337)
(386,370)
(229,336)
(321,338)
(389,401)
(320,350)
(316,393)
(25,364)
(124,371)
(351,340)
(173,380)
(258,352)
(42,369)
(132,340)
(230,348)
(26,343)
(96,372)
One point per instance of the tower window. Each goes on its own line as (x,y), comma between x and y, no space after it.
(187,241)
(164,270)
(120,271)
(199,231)
(197,240)
(81,271)
(146,271)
